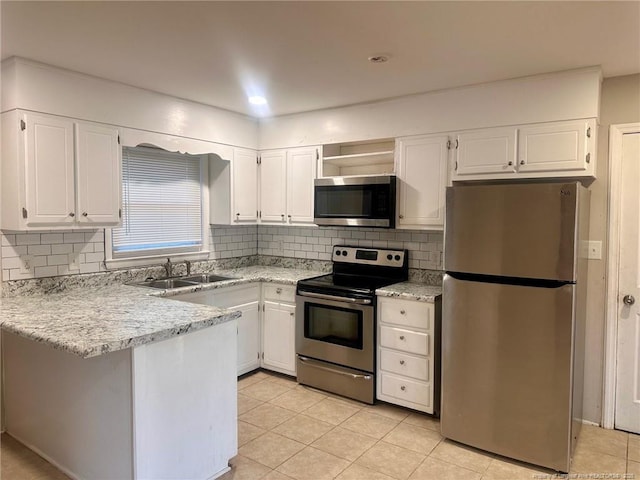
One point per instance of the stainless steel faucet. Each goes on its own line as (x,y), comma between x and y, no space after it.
(169,268)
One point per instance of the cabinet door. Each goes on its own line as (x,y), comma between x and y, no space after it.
(248,337)
(422,171)
(554,147)
(491,150)
(98,174)
(245,185)
(49,173)
(278,337)
(273,186)
(301,171)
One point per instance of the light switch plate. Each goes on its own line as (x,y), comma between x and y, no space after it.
(594,250)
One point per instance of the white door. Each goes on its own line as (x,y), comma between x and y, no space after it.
(627,413)
(273,186)
(98,174)
(49,172)
(278,337)
(248,337)
(245,185)
(301,171)
(422,171)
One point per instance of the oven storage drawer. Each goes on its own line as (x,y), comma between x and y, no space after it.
(276,292)
(410,393)
(406,312)
(404,364)
(337,379)
(405,340)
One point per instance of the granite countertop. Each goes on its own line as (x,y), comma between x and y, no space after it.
(94,321)
(411,291)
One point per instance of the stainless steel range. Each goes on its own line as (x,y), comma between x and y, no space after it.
(336,320)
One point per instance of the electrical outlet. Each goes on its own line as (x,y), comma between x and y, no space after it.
(594,250)
(26,263)
(73,261)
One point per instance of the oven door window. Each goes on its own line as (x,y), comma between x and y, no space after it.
(339,326)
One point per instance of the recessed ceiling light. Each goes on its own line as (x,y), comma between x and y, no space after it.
(257,100)
(379,58)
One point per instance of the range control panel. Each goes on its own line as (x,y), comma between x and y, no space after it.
(368,256)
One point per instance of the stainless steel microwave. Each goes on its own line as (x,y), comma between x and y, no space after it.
(367,201)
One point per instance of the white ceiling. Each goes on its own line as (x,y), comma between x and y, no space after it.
(311,55)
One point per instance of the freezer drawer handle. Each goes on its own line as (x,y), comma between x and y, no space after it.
(629,300)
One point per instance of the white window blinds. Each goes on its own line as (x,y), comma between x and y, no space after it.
(162,203)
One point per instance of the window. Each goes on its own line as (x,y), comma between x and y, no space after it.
(162,204)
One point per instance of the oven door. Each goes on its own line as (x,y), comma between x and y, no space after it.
(336,330)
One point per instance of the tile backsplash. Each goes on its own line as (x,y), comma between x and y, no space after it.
(54,253)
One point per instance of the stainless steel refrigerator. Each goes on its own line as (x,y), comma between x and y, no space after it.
(514,297)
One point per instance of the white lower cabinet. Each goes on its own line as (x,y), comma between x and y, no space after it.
(246,299)
(407,353)
(279,328)
(266,329)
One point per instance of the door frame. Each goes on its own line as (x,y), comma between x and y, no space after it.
(616,133)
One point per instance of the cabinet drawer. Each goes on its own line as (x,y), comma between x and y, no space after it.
(405,389)
(406,313)
(277,292)
(404,364)
(405,340)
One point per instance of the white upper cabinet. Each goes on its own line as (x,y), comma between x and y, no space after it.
(543,150)
(57,173)
(286,185)
(487,151)
(561,146)
(273,186)
(245,185)
(99,177)
(422,178)
(301,171)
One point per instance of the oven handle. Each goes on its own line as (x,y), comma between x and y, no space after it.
(333,370)
(360,301)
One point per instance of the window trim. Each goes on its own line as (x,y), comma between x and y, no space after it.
(135,261)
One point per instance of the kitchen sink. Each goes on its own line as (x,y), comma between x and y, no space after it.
(207,278)
(168,283)
(190,281)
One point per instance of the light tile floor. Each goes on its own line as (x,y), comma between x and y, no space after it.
(287,431)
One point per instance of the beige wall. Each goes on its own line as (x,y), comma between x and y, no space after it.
(620,103)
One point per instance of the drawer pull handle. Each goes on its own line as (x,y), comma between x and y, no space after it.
(403,388)
(401,362)
(401,337)
(278,291)
(402,312)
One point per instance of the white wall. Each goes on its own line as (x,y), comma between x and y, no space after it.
(34,86)
(559,96)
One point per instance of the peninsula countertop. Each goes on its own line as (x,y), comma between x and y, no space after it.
(94,321)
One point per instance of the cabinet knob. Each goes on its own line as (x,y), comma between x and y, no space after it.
(400,216)
(71,214)
(402,312)
(401,362)
(84,214)
(403,388)
(521,162)
(278,290)
(401,337)
(510,163)
(282,216)
(291,314)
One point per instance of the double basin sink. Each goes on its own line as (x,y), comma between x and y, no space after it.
(188,281)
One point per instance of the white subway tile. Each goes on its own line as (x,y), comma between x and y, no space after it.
(57,249)
(39,261)
(94,257)
(312,255)
(52,238)
(98,247)
(12,262)
(73,237)
(8,239)
(57,260)
(89,267)
(50,271)
(10,251)
(27,239)
(39,250)
(15,274)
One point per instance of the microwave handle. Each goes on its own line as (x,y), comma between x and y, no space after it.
(359,301)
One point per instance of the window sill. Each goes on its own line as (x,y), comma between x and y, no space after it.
(152,260)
